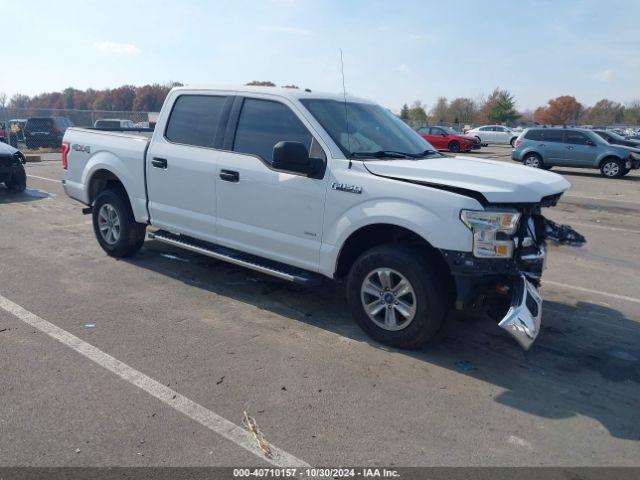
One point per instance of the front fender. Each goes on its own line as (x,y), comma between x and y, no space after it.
(441,226)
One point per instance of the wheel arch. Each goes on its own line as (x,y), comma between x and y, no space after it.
(609,156)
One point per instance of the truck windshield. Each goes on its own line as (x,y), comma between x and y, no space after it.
(371,130)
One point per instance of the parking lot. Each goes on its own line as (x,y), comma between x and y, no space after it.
(198,342)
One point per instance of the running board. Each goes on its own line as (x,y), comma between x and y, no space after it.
(253,262)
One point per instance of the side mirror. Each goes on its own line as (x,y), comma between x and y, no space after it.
(294,157)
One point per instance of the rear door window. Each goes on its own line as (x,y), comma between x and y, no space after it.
(553,136)
(263,123)
(195,120)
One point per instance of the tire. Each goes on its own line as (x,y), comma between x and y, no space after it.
(512,142)
(18,182)
(426,299)
(612,168)
(533,160)
(115,227)
(454,147)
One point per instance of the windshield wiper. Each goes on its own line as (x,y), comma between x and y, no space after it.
(385,154)
(427,153)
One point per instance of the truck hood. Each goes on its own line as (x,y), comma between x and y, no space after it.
(497,182)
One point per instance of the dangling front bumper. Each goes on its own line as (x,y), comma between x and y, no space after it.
(523,318)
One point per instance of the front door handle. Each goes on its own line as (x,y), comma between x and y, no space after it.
(229,176)
(159,162)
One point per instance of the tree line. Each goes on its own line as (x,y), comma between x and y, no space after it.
(500,107)
(128,98)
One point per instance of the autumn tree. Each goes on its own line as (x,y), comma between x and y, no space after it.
(462,110)
(562,110)
(604,112)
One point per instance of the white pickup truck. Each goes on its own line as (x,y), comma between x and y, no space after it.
(305,186)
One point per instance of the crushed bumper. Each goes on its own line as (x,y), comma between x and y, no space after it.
(522,321)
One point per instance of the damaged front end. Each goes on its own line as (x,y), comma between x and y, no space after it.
(501,275)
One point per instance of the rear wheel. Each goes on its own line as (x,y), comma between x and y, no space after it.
(115,227)
(612,168)
(512,142)
(396,295)
(454,147)
(533,160)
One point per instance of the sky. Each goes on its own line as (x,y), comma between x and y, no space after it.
(394,52)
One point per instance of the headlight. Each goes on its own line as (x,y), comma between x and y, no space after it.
(486,227)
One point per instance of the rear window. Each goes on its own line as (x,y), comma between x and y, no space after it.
(195,120)
(534,135)
(108,124)
(44,124)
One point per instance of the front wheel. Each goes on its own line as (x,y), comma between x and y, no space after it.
(454,147)
(395,292)
(115,227)
(612,168)
(18,182)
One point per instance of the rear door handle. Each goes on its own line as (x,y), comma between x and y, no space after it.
(159,162)
(229,176)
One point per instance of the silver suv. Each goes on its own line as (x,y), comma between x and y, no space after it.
(573,147)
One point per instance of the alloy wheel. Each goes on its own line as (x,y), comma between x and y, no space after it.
(109,224)
(388,299)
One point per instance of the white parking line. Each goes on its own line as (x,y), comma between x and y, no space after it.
(191,409)
(605,227)
(588,290)
(45,178)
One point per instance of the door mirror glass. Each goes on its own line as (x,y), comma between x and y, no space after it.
(291,157)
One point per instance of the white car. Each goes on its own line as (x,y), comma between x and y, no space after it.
(283,182)
(494,134)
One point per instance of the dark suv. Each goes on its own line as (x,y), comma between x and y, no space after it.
(42,132)
(573,147)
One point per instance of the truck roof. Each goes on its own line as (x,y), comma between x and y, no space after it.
(290,93)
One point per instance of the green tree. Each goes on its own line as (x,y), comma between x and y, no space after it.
(632,112)
(417,114)
(404,112)
(440,111)
(501,107)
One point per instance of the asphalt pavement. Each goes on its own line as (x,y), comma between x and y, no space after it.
(153,360)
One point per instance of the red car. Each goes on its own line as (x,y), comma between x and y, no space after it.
(446,138)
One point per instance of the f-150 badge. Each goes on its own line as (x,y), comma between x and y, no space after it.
(343,187)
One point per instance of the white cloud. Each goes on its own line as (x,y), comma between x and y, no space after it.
(605,75)
(289,30)
(116,48)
